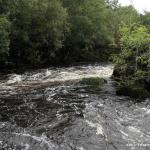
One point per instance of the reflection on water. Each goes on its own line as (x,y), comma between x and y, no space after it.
(49,110)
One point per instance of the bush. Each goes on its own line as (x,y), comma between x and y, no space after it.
(132,64)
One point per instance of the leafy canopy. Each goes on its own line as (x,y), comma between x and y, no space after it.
(135,55)
(4,37)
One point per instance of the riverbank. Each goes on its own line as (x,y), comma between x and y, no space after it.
(134,87)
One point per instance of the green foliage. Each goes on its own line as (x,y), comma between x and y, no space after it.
(4,6)
(88,27)
(93,81)
(135,55)
(146,19)
(38,30)
(128,15)
(121,15)
(4,37)
(133,89)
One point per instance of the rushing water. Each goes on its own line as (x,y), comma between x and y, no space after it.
(49,110)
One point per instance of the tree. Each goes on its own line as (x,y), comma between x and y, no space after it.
(121,15)
(5,6)
(146,19)
(88,27)
(4,38)
(38,30)
(135,55)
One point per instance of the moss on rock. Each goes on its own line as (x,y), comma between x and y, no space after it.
(93,81)
(132,88)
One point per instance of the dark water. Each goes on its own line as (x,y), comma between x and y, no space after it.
(49,110)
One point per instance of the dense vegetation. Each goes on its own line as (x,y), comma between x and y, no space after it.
(133,63)
(35,32)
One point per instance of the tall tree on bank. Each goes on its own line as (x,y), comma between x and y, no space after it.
(134,59)
(62,31)
(146,19)
(38,31)
(121,15)
(4,38)
(4,31)
(88,27)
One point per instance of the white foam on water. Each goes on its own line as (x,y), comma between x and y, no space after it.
(27,146)
(14,79)
(99,129)
(42,140)
(125,134)
(97,126)
(80,148)
(48,73)
(133,129)
(63,74)
(91,71)
(147,111)
(5,87)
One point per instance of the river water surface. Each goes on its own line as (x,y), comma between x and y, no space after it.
(49,110)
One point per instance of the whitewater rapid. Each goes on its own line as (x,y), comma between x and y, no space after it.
(48,109)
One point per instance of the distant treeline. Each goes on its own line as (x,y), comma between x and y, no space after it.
(47,32)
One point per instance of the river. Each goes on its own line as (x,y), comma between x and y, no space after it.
(48,109)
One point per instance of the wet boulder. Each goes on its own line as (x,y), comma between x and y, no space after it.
(93,81)
(145,82)
(133,88)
